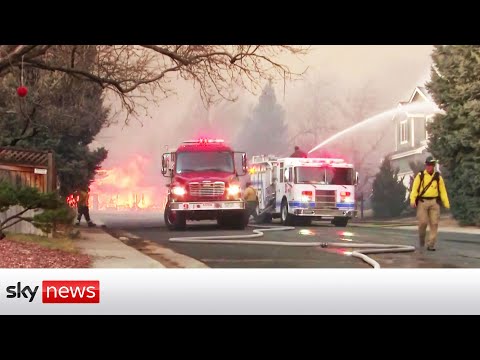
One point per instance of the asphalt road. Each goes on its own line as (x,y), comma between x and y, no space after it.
(454,250)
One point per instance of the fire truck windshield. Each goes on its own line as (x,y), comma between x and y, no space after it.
(324,175)
(205,161)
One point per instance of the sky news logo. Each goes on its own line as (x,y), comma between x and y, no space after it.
(58,292)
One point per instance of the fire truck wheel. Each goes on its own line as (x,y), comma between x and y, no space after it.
(340,222)
(175,220)
(286,218)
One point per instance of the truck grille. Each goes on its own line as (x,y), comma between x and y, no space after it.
(207,189)
(325,199)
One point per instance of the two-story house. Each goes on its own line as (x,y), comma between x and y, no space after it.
(411,135)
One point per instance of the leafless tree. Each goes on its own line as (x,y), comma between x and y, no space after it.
(359,103)
(315,120)
(136,73)
(329,107)
(366,161)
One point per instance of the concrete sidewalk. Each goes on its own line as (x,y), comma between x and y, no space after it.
(109,252)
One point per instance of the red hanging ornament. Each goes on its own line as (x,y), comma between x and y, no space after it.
(22,91)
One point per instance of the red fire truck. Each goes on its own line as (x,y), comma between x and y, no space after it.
(204,184)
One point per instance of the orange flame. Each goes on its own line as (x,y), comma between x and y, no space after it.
(127,187)
(71,200)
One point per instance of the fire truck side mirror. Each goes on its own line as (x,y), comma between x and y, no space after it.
(244,164)
(166,158)
(164,167)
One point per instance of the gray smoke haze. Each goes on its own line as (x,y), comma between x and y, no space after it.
(342,86)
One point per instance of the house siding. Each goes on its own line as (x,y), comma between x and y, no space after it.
(419,129)
(403,163)
(417,124)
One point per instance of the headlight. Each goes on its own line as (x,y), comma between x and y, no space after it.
(345,196)
(233,190)
(179,191)
(307,196)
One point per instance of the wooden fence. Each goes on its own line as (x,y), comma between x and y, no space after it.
(22,167)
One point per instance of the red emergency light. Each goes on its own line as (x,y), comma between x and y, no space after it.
(204,141)
(307,196)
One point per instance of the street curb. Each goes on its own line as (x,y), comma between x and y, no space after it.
(168,257)
(109,252)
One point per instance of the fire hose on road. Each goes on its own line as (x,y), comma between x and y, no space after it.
(257,233)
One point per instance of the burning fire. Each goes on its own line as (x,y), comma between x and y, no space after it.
(72,201)
(134,185)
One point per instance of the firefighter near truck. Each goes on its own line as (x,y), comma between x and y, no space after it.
(299,190)
(204,184)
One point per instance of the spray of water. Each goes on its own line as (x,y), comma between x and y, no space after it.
(385,115)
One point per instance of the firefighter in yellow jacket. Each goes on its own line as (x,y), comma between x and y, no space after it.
(82,206)
(428,192)
(251,199)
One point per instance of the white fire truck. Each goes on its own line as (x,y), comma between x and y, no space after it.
(299,190)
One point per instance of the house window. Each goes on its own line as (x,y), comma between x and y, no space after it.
(403,132)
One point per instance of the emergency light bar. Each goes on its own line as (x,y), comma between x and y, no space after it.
(319,161)
(263,158)
(327,161)
(204,141)
(256,159)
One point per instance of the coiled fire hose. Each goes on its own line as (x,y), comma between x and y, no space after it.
(257,233)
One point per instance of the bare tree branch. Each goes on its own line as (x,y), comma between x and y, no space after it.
(171,54)
(12,55)
(130,70)
(374,147)
(72,61)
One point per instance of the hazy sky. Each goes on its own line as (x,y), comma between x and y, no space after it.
(374,61)
(392,71)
